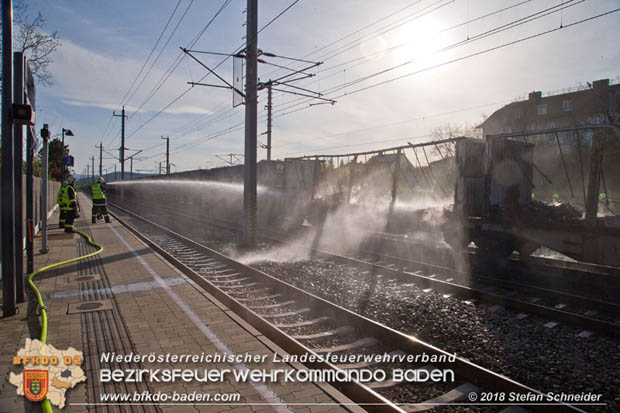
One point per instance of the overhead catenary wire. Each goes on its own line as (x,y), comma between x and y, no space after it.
(125,99)
(468,56)
(365,59)
(491,49)
(201,79)
(161,51)
(357,31)
(496,30)
(290,6)
(478,18)
(175,64)
(219,64)
(488,50)
(143,65)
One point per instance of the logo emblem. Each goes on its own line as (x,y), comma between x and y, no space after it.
(36,384)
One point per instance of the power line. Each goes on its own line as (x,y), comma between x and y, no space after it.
(279,15)
(143,65)
(288,8)
(391,49)
(201,79)
(179,58)
(193,143)
(151,53)
(161,50)
(496,30)
(394,25)
(391,26)
(478,53)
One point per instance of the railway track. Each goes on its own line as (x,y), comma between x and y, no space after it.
(547,272)
(588,314)
(303,323)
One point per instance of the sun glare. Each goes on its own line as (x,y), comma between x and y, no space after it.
(421,41)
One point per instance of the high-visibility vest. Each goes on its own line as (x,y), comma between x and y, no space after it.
(98,191)
(66,197)
(61,193)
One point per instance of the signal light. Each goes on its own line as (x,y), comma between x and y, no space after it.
(23,114)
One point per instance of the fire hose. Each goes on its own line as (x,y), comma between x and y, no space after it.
(45,404)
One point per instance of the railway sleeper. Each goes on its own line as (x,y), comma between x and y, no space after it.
(455,395)
(362,342)
(336,331)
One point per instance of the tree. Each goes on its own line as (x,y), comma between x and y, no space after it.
(453,130)
(29,39)
(55,155)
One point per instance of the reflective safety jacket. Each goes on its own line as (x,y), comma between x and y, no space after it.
(66,197)
(98,191)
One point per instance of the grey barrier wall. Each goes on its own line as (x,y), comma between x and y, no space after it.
(52,192)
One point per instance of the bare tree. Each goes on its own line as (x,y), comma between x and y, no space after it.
(29,38)
(453,130)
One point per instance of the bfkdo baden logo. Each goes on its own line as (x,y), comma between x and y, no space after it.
(36,384)
(47,372)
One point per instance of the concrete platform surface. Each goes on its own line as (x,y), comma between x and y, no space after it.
(129,301)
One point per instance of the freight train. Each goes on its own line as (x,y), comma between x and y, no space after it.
(494,206)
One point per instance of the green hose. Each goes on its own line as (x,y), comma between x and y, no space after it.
(45,404)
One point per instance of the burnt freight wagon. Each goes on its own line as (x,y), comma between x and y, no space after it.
(496,209)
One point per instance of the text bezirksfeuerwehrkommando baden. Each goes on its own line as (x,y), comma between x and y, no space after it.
(241,373)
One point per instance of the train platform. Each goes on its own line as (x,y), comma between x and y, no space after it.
(127,309)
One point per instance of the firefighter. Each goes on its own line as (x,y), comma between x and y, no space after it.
(99,201)
(59,200)
(67,201)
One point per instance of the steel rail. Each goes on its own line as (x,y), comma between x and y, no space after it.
(475,374)
(486,297)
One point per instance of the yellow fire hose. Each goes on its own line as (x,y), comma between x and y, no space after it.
(45,404)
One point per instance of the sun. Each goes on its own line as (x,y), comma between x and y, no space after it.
(421,41)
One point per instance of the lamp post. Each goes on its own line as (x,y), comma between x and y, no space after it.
(68,132)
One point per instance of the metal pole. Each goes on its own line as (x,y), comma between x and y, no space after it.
(316,176)
(8,218)
(594,179)
(29,201)
(62,158)
(123,145)
(44,206)
(18,176)
(122,149)
(131,167)
(395,182)
(30,94)
(352,171)
(92,179)
(167,138)
(100,157)
(249,187)
(570,185)
(269,84)
(160,168)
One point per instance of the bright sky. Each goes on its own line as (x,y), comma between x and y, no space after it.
(105,44)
